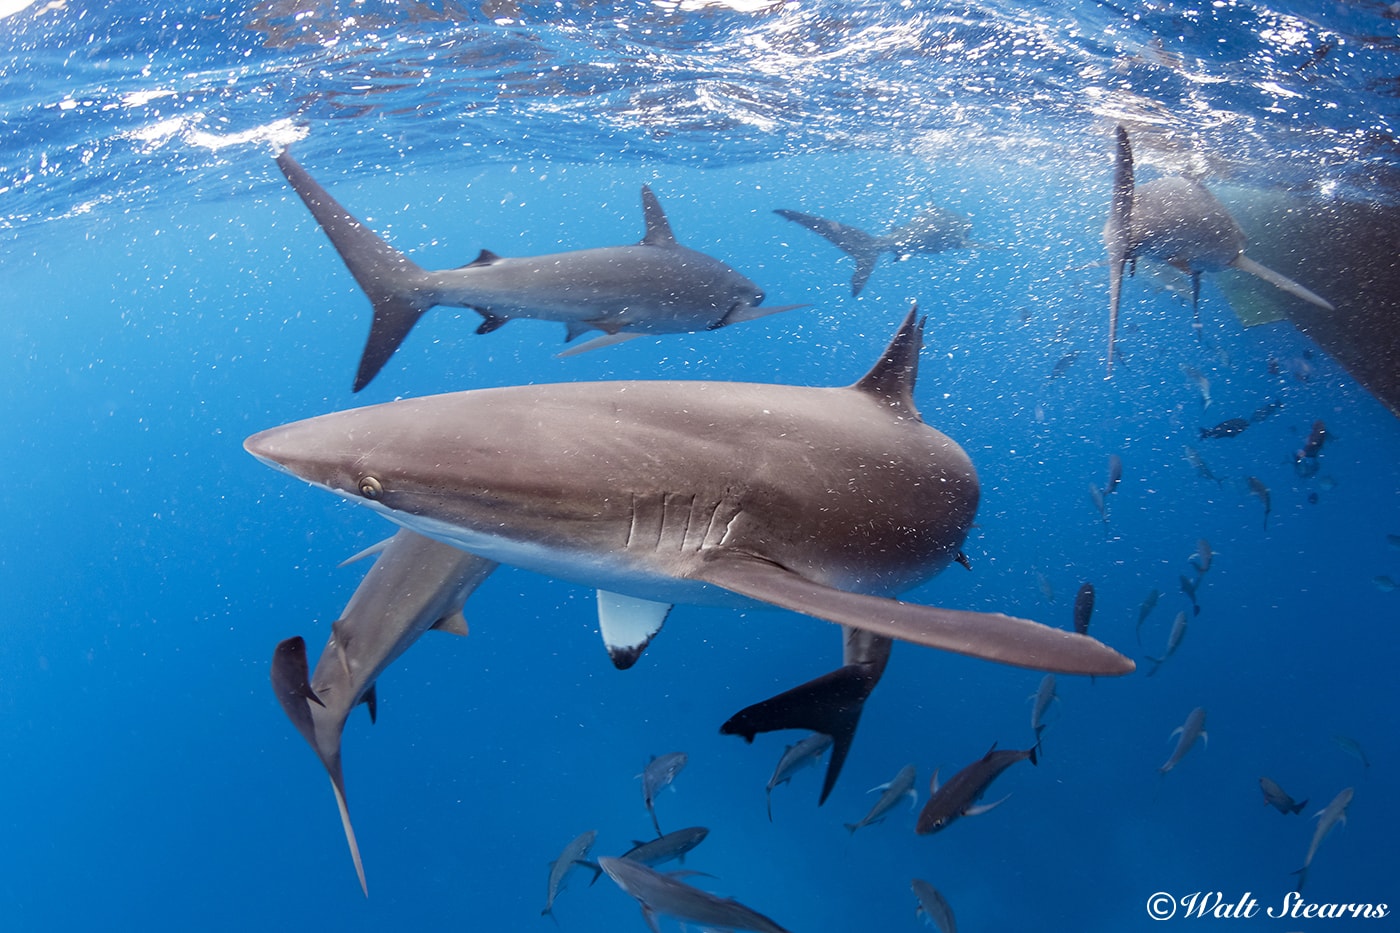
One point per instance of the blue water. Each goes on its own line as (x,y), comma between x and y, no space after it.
(165,295)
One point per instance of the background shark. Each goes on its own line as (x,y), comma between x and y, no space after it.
(656,286)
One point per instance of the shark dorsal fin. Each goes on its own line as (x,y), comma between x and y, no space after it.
(892,378)
(658,227)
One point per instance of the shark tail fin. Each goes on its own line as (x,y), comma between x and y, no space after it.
(1117,233)
(393,283)
(830,704)
(1245,264)
(863,247)
(338,785)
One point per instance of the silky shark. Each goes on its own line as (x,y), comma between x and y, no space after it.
(416,584)
(935,230)
(825,501)
(654,287)
(1174,220)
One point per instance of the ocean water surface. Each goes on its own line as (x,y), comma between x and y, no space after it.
(166,295)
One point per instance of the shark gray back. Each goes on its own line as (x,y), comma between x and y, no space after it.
(656,286)
(416,584)
(825,501)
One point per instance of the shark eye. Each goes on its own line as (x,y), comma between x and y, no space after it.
(371,488)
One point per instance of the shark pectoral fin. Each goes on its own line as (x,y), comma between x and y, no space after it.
(370,551)
(830,704)
(743,311)
(933,782)
(454,624)
(990,636)
(628,625)
(597,869)
(371,700)
(605,340)
(649,916)
(1245,264)
(913,798)
(1205,743)
(983,808)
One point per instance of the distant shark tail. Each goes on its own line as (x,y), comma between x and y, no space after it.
(831,704)
(290,681)
(396,286)
(1117,233)
(862,246)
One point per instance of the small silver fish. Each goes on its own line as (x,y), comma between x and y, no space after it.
(1352,747)
(1203,557)
(959,796)
(658,773)
(1259,489)
(1046,589)
(1193,457)
(1189,731)
(1329,816)
(1188,586)
(574,854)
(1173,641)
(803,754)
(1148,604)
(933,907)
(891,793)
(1043,697)
(1275,797)
(1201,382)
(656,894)
(1115,473)
(1096,495)
(1083,607)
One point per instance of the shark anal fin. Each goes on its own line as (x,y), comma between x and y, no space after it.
(628,625)
(830,704)
(454,624)
(371,700)
(990,636)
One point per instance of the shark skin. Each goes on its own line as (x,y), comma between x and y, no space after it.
(824,501)
(654,287)
(934,230)
(1176,221)
(416,584)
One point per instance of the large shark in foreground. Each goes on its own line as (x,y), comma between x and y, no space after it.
(825,501)
(655,287)
(1176,221)
(416,584)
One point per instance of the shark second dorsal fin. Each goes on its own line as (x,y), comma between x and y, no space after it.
(483,258)
(892,377)
(658,227)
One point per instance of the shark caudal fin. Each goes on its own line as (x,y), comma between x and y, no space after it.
(830,704)
(1117,233)
(863,247)
(393,283)
(1245,264)
(290,681)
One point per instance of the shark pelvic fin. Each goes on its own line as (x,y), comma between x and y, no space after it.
(990,636)
(628,625)
(597,343)
(371,700)
(830,704)
(454,624)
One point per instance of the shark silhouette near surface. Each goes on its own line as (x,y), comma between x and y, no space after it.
(934,230)
(825,501)
(416,584)
(657,286)
(1177,221)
